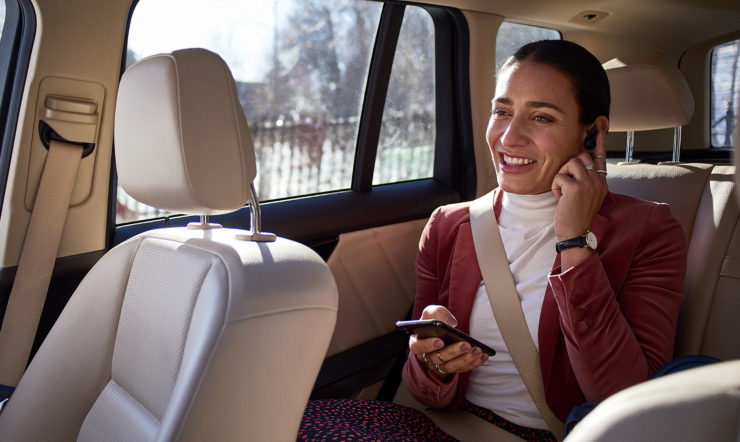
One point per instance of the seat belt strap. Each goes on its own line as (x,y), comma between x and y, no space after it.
(37,259)
(506,306)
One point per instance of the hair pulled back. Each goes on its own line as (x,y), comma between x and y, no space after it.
(589,80)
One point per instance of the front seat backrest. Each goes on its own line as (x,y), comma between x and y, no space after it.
(182,333)
(700,404)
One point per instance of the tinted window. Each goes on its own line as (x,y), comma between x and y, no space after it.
(725,88)
(2,16)
(301,69)
(512,36)
(407,133)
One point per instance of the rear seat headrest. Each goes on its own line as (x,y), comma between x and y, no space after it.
(645,98)
(182,141)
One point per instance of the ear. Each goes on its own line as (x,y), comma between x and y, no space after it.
(600,124)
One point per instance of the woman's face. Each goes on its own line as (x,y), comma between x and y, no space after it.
(535,127)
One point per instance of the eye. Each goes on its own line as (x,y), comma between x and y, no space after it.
(498,112)
(543,118)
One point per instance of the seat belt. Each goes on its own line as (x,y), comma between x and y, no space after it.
(506,306)
(37,259)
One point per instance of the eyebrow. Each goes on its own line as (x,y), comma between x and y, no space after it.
(535,104)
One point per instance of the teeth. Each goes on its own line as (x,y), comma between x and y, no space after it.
(517,161)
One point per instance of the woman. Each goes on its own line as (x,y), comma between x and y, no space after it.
(603,319)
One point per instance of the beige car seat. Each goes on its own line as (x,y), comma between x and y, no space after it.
(197,333)
(701,404)
(700,197)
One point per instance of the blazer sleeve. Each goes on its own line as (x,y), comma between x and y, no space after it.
(615,340)
(424,386)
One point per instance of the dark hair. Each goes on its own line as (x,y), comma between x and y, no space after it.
(589,79)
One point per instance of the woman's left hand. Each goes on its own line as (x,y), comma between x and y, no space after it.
(580,186)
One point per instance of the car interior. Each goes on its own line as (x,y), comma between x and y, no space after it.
(210,213)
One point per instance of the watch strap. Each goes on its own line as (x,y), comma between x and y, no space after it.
(578,241)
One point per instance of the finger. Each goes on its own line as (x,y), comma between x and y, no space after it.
(588,163)
(453,351)
(439,312)
(430,345)
(574,168)
(590,166)
(560,184)
(466,362)
(599,154)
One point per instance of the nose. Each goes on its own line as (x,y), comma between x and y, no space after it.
(514,135)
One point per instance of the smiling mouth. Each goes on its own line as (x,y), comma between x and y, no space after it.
(516,161)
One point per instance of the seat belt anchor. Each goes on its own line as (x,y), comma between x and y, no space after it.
(47,134)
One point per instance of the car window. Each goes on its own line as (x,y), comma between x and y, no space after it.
(725,75)
(2,16)
(300,69)
(407,132)
(511,36)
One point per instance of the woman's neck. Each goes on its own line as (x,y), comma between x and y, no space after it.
(537,208)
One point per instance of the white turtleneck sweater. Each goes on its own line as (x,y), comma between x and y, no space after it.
(527,231)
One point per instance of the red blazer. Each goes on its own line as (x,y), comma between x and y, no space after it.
(606,324)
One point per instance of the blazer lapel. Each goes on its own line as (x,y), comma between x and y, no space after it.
(465,276)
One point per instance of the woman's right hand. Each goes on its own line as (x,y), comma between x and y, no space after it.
(442,360)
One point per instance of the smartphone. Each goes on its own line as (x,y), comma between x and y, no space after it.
(434,328)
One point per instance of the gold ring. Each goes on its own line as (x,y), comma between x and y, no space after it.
(601,171)
(439,369)
(599,156)
(440,358)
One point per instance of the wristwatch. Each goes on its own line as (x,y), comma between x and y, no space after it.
(587,240)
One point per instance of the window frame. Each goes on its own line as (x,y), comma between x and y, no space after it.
(16,43)
(325,216)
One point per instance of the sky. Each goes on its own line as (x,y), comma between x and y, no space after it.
(242,36)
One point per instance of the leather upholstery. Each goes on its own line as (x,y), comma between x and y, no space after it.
(182,334)
(659,183)
(376,287)
(182,142)
(693,405)
(700,196)
(708,324)
(645,98)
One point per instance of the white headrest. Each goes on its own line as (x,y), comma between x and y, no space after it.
(181,138)
(646,98)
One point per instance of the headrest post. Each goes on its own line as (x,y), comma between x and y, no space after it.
(203,224)
(676,143)
(255,221)
(630,146)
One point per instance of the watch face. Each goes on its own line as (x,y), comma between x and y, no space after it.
(591,240)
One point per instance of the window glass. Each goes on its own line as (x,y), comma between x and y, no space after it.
(407,132)
(2,16)
(512,36)
(300,67)
(725,76)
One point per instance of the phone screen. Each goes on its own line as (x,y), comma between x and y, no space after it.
(434,328)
